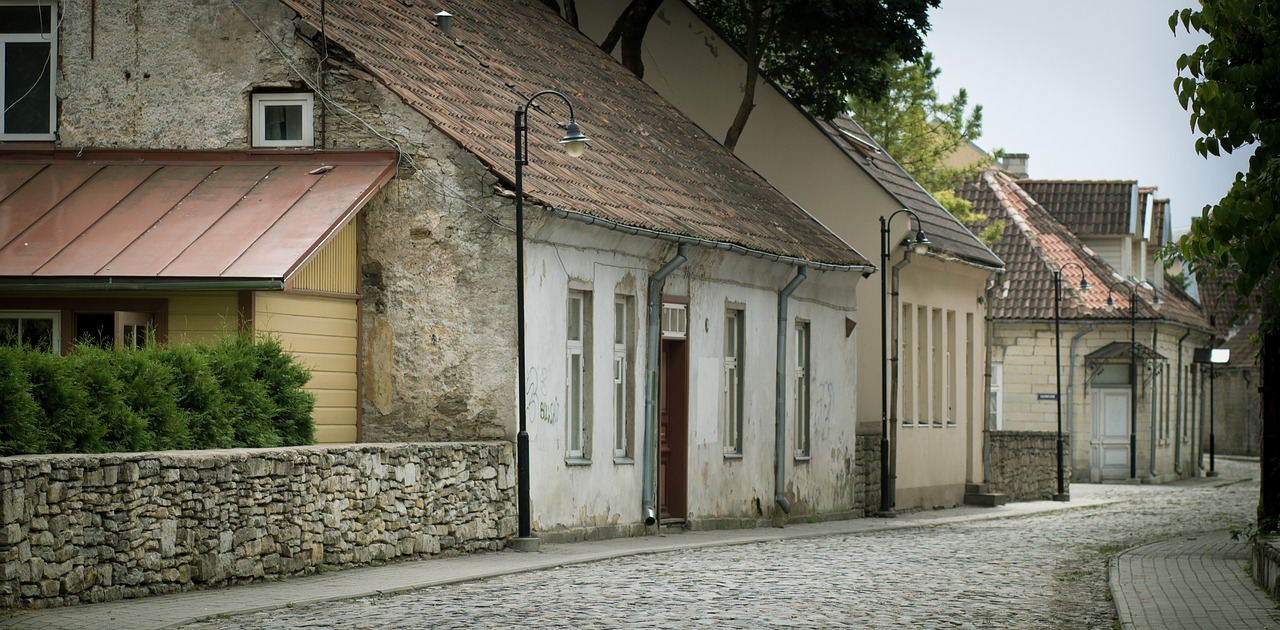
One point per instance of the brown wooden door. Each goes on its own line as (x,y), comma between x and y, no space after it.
(673,430)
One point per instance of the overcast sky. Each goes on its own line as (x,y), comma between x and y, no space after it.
(1085,87)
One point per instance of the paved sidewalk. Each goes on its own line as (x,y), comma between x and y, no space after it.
(184,608)
(1190,582)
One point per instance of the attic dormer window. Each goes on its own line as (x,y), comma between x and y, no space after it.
(283,119)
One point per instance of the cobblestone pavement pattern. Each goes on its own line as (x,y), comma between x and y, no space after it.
(1042,571)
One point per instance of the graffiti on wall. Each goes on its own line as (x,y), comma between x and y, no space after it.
(540,398)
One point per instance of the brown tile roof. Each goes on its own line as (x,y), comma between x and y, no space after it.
(944,231)
(163,214)
(1086,207)
(649,166)
(1159,211)
(1033,244)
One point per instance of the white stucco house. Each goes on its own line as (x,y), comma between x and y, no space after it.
(690,332)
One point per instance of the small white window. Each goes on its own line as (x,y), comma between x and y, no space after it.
(995,395)
(40,330)
(283,120)
(578,376)
(28,51)
(734,339)
(623,385)
(802,403)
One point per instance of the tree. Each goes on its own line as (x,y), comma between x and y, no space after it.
(921,132)
(819,51)
(1231,88)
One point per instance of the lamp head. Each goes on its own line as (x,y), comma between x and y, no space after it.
(1155,299)
(921,244)
(1084,284)
(574,142)
(1111,303)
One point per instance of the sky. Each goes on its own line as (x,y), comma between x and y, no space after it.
(1085,88)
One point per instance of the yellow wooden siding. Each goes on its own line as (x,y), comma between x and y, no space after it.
(322,333)
(334,268)
(202,317)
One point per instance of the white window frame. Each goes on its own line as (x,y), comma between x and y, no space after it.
(52,39)
(54,316)
(731,408)
(577,359)
(996,394)
(262,100)
(802,402)
(623,374)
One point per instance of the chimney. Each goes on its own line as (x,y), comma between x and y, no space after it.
(1016,164)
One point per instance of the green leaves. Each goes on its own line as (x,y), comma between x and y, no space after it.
(1230,88)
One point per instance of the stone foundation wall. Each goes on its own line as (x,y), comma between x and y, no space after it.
(1023,465)
(869,472)
(93,528)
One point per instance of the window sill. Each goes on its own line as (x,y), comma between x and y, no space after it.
(803,458)
(733,455)
(577,461)
(623,460)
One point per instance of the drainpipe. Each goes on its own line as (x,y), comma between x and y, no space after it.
(988,423)
(780,397)
(654,338)
(1071,384)
(1155,384)
(1177,428)
(1200,441)
(893,374)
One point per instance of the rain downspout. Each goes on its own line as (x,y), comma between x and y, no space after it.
(1200,442)
(893,373)
(1071,380)
(1155,384)
(652,340)
(1177,427)
(780,396)
(989,420)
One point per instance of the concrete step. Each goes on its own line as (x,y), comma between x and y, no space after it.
(985,499)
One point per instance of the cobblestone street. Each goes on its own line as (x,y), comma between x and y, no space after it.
(1042,571)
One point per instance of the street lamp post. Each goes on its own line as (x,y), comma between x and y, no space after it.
(1062,494)
(920,244)
(1214,357)
(1133,372)
(574,143)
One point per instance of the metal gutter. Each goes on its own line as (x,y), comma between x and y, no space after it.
(780,396)
(108,284)
(866,269)
(653,338)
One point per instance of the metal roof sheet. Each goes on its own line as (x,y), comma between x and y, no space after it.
(176,214)
(1117,349)
(649,166)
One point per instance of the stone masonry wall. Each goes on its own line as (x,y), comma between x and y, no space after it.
(1023,465)
(868,458)
(93,528)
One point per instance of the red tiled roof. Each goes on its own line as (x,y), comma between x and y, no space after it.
(649,166)
(1034,244)
(944,231)
(1086,207)
(167,214)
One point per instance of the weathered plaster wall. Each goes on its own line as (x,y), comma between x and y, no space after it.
(437,248)
(1237,415)
(94,528)
(604,494)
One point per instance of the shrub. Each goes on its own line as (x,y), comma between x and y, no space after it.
(234,393)
(19,414)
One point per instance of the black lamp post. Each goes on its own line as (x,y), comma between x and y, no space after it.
(574,144)
(1133,372)
(1214,357)
(1062,494)
(920,245)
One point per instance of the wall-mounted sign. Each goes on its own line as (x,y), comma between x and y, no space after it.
(1046,396)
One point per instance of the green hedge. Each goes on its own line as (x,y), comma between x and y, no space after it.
(235,393)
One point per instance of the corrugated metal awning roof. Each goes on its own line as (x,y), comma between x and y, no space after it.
(163,215)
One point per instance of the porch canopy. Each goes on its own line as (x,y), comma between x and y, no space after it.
(1118,349)
(104,218)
